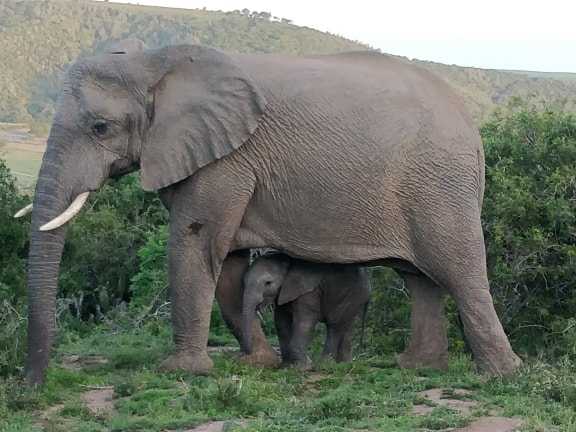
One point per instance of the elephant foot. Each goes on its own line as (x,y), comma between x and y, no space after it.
(411,360)
(299,365)
(286,365)
(503,365)
(196,364)
(261,356)
(305,364)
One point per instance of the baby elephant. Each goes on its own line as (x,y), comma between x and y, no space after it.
(305,293)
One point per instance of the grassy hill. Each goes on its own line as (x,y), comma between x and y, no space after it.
(40,38)
(570,76)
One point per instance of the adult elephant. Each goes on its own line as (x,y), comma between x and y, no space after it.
(356,157)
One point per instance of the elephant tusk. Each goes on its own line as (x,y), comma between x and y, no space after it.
(67,214)
(24,211)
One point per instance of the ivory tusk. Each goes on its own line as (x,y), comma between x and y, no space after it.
(24,211)
(67,214)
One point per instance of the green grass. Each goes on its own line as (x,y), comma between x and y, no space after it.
(23,164)
(367,394)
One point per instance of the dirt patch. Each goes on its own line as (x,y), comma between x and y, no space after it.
(422,409)
(311,381)
(100,401)
(74,362)
(315,376)
(216,426)
(439,397)
(209,427)
(455,399)
(490,424)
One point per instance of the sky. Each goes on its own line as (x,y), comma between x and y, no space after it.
(532,35)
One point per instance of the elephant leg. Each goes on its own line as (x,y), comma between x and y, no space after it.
(331,343)
(489,345)
(202,231)
(229,294)
(345,332)
(303,328)
(283,324)
(192,295)
(458,264)
(428,345)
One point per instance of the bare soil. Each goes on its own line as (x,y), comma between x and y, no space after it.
(73,362)
(100,401)
(18,137)
(492,423)
(216,426)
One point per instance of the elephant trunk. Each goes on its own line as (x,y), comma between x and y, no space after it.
(250,305)
(50,199)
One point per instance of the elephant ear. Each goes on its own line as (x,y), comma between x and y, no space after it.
(127,46)
(204,106)
(301,278)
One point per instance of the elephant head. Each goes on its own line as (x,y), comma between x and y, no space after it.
(167,111)
(274,278)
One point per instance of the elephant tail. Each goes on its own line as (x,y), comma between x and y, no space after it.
(363,325)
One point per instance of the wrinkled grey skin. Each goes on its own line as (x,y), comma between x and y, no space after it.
(355,157)
(304,294)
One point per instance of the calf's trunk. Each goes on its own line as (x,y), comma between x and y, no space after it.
(248,316)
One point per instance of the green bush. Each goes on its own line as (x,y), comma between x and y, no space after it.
(13,255)
(100,256)
(388,324)
(530,225)
(149,287)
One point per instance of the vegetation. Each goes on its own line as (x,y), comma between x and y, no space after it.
(40,38)
(367,394)
(529,225)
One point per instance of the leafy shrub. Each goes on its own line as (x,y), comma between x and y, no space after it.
(13,255)
(149,287)
(388,324)
(100,256)
(530,224)
(13,236)
(388,321)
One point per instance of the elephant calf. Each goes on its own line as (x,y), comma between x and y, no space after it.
(305,293)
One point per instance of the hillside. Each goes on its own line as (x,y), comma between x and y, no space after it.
(484,89)
(40,37)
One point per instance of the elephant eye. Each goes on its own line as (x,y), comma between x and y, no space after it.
(268,283)
(99,129)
